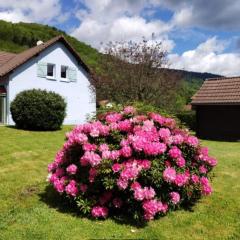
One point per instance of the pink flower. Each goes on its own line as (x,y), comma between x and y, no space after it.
(169,122)
(164,133)
(129,110)
(72,169)
(149,193)
(113,126)
(106,154)
(206,187)
(157,118)
(175,152)
(152,207)
(94,132)
(192,141)
(204,181)
(195,179)
(59,158)
(59,172)
(139,118)
(164,208)
(139,194)
(59,185)
(154,148)
(89,147)
(52,178)
(104,130)
(211,161)
(99,212)
(117,202)
(175,197)
(138,142)
(130,172)
(124,143)
(52,166)
(145,164)
(116,167)
(103,147)
(80,138)
(125,126)
(148,216)
(92,174)
(71,188)
(177,139)
(126,151)
(202,169)
(122,184)
(113,117)
(169,174)
(180,161)
(135,185)
(206,190)
(90,157)
(181,179)
(203,151)
(114,154)
(83,187)
(167,163)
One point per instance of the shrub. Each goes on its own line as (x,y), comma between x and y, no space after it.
(188,118)
(142,107)
(143,164)
(38,110)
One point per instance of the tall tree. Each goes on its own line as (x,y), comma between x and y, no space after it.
(136,71)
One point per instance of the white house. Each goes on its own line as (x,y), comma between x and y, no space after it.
(53,66)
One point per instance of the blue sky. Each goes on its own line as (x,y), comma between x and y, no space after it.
(200,35)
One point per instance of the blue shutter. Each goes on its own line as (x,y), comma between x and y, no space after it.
(41,69)
(72,74)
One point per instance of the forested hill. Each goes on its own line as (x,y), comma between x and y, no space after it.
(20,36)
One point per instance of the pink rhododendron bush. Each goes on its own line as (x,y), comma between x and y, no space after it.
(141,165)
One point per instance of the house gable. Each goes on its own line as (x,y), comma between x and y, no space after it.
(21,58)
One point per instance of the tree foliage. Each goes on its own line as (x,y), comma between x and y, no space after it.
(137,71)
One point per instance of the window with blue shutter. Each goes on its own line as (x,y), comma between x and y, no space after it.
(72,74)
(42,69)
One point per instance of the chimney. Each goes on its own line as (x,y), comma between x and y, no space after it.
(39,42)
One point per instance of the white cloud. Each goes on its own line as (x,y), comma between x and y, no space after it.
(208,57)
(182,17)
(31,11)
(207,14)
(13,16)
(111,20)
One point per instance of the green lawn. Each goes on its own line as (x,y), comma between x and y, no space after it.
(27,213)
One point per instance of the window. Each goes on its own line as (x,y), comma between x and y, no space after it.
(50,70)
(64,71)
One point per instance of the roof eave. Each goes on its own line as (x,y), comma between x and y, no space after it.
(60,38)
(212,103)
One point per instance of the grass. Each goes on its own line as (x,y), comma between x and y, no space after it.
(27,211)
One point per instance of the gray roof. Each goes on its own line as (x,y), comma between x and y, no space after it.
(219,91)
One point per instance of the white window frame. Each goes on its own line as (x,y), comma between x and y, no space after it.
(66,78)
(54,71)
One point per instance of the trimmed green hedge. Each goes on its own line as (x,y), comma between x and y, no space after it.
(38,110)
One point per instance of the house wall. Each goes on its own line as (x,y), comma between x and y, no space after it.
(218,122)
(80,100)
